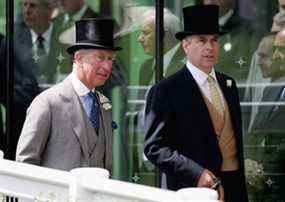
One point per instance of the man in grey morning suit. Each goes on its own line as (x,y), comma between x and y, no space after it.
(69,125)
(193,118)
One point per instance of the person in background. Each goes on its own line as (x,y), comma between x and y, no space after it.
(193,118)
(69,125)
(256,82)
(267,128)
(173,55)
(38,36)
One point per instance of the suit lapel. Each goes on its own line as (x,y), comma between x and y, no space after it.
(271,94)
(230,99)
(105,127)
(199,102)
(74,113)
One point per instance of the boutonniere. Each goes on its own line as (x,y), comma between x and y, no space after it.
(106,106)
(229,83)
(114,125)
(105,102)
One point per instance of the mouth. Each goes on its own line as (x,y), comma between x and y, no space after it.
(103,75)
(209,57)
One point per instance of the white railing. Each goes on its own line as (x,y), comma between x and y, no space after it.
(33,183)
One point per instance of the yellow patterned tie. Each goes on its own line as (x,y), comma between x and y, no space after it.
(215,95)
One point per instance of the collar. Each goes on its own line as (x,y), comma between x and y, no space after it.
(224,19)
(79,87)
(200,76)
(46,35)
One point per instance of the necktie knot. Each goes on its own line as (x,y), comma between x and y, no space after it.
(211,79)
(92,95)
(40,45)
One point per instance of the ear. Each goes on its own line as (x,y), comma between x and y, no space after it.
(185,45)
(77,58)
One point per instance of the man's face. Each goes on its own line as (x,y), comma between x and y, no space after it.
(147,38)
(202,51)
(264,56)
(35,14)
(71,6)
(94,66)
(277,67)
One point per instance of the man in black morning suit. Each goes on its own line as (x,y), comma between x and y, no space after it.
(193,118)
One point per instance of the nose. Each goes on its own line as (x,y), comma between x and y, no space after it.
(107,65)
(209,45)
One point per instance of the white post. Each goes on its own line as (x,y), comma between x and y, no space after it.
(1,154)
(198,194)
(77,193)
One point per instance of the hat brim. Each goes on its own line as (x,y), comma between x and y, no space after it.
(75,47)
(181,35)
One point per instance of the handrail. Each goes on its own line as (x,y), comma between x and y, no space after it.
(35,183)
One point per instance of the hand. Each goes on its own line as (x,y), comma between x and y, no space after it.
(206,179)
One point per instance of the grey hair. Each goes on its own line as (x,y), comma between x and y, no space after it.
(188,38)
(171,22)
(84,51)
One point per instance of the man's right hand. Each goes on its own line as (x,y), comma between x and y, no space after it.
(206,179)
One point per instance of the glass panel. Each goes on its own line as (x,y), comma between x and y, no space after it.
(136,36)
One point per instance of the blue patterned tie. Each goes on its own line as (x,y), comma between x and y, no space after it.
(94,111)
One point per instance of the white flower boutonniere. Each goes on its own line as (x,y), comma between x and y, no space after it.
(229,83)
(107,106)
(104,101)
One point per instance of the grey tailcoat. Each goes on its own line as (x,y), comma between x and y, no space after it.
(57,132)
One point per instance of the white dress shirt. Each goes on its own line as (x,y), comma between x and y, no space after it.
(201,79)
(47,39)
(80,89)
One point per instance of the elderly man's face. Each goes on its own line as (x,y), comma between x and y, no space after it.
(147,38)
(94,66)
(35,14)
(264,55)
(202,51)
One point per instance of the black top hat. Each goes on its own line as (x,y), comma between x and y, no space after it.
(200,19)
(94,33)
